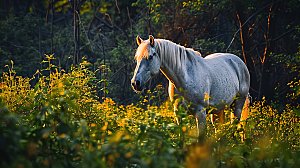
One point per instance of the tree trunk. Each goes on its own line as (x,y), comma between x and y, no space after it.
(77,58)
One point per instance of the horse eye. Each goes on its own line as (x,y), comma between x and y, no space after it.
(150,57)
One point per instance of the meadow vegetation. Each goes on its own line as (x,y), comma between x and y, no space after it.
(56,119)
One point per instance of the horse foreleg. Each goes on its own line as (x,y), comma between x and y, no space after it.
(171,91)
(200,117)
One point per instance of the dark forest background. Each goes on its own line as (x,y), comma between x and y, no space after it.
(264,33)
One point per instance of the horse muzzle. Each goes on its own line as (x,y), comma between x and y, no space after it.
(136,85)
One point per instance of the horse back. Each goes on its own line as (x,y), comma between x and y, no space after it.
(225,66)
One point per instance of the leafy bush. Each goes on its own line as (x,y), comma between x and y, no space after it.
(60,122)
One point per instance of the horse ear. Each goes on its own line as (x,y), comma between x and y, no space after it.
(151,39)
(138,40)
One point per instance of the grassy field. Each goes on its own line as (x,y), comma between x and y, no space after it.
(60,122)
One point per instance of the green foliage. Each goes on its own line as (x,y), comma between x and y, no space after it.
(209,46)
(60,122)
(11,46)
(194,6)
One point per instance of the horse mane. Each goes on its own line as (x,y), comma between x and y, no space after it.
(175,53)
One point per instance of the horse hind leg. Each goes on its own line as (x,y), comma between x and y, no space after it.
(220,116)
(241,111)
(245,111)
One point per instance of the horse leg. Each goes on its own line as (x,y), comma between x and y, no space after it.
(241,112)
(220,116)
(241,109)
(245,111)
(200,117)
(238,107)
(171,91)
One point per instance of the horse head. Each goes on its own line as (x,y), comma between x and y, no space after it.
(147,63)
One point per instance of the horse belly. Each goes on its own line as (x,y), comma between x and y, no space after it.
(224,90)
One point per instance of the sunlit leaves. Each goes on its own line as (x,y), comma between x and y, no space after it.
(193,5)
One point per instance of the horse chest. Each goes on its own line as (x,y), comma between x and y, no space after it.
(197,92)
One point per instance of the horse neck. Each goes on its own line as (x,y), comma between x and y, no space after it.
(174,61)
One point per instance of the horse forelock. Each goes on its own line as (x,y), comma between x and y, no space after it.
(142,51)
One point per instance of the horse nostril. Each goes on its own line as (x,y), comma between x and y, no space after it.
(137,83)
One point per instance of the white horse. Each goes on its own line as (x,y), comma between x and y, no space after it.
(213,82)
